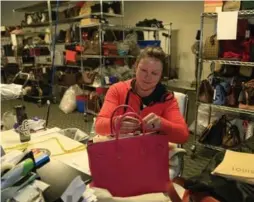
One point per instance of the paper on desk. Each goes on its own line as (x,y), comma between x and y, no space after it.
(74,191)
(78,160)
(89,196)
(40,185)
(227,25)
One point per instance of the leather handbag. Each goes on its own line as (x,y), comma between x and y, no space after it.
(247,5)
(93,103)
(214,132)
(246,98)
(211,48)
(233,5)
(89,76)
(130,166)
(248,88)
(92,47)
(232,137)
(246,71)
(205,92)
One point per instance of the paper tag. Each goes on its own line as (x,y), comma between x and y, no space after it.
(247,34)
(227,25)
(214,94)
(14,40)
(3,29)
(106,80)
(11,60)
(218,9)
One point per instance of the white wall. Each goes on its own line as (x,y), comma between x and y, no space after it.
(185,17)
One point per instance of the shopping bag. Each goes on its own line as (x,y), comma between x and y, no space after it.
(241,170)
(130,166)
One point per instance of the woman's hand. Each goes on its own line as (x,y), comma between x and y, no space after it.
(152,122)
(128,124)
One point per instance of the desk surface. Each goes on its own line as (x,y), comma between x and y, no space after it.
(68,158)
(69,151)
(59,175)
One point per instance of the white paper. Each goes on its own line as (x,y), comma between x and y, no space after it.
(218,9)
(227,25)
(74,191)
(40,185)
(77,160)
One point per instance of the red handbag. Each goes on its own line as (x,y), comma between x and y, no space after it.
(130,166)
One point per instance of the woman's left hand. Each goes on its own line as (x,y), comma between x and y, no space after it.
(152,122)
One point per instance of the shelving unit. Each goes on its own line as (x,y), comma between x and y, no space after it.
(125,28)
(243,14)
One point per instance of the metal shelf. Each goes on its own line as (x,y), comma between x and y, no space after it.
(43,6)
(123,27)
(230,62)
(241,14)
(75,19)
(230,109)
(130,28)
(106,57)
(216,148)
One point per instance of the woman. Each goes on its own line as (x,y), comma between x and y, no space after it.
(148,97)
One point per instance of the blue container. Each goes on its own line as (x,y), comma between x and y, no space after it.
(81,103)
(145,43)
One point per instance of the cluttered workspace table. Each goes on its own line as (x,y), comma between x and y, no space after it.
(68,158)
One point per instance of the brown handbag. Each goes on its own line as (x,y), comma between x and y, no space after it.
(232,137)
(211,48)
(233,5)
(205,92)
(92,47)
(89,76)
(248,93)
(93,103)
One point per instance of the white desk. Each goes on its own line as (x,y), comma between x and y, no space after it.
(61,147)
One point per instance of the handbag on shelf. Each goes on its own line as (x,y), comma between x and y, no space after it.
(205,92)
(233,5)
(247,5)
(247,100)
(93,103)
(246,71)
(228,70)
(126,172)
(211,48)
(234,92)
(214,132)
(92,47)
(232,137)
(89,76)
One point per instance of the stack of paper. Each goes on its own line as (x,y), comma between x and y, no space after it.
(237,166)
(77,190)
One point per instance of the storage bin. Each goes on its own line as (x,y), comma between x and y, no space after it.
(145,43)
(81,103)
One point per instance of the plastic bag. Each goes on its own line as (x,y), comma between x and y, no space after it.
(8,120)
(68,102)
(75,134)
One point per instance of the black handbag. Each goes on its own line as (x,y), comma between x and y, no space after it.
(214,132)
(223,189)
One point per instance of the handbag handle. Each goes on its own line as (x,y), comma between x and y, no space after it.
(115,127)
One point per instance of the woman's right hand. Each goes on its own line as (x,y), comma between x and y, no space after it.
(128,124)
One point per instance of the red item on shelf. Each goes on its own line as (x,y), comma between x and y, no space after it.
(70,56)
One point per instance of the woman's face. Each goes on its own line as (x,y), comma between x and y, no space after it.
(148,73)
